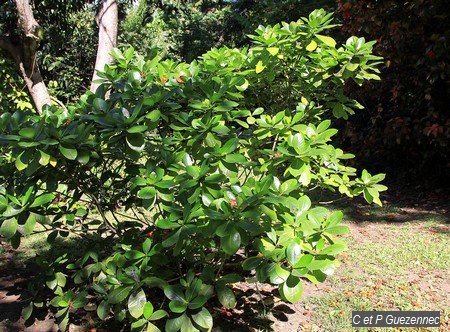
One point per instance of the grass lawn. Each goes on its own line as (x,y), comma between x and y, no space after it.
(399,260)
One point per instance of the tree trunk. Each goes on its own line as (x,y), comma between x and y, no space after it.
(107,20)
(25,55)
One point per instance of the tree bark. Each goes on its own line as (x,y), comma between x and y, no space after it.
(107,20)
(25,54)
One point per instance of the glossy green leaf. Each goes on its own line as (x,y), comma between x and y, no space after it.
(229,146)
(136,142)
(333,249)
(252,263)
(136,303)
(119,294)
(158,314)
(146,193)
(174,324)
(27,311)
(42,200)
(8,228)
(277,274)
(226,296)
(174,293)
(103,310)
(293,253)
(203,319)
(291,290)
(231,242)
(178,306)
(27,132)
(100,104)
(68,152)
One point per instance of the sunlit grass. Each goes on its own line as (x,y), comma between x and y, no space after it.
(389,266)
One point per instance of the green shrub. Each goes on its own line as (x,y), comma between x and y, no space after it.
(186,167)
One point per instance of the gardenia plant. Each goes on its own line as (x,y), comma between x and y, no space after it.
(194,176)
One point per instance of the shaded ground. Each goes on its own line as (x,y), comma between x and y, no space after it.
(398,259)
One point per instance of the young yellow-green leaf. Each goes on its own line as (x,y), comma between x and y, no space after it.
(44,159)
(148,310)
(53,161)
(158,314)
(273,50)
(327,40)
(352,66)
(311,46)
(20,165)
(152,328)
(259,67)
(305,177)
(243,86)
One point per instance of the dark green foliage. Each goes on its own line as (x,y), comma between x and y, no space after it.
(407,128)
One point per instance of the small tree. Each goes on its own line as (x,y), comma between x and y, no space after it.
(188,167)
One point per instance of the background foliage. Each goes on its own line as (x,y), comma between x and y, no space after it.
(407,126)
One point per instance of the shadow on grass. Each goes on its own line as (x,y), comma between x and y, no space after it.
(393,210)
(250,314)
(19,269)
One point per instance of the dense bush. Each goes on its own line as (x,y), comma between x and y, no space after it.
(407,128)
(197,175)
